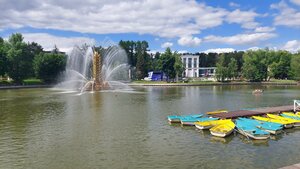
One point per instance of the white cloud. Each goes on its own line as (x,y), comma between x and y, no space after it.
(240,39)
(182,51)
(156,17)
(166,45)
(297,2)
(292,46)
(189,41)
(255,48)
(219,50)
(64,44)
(264,29)
(245,18)
(232,4)
(287,16)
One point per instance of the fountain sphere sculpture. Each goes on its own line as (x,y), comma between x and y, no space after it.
(93,69)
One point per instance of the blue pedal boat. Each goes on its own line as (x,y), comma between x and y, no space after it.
(177,118)
(248,129)
(273,128)
(190,121)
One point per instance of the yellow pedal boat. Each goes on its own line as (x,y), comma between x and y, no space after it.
(291,114)
(217,111)
(285,123)
(296,122)
(209,124)
(222,130)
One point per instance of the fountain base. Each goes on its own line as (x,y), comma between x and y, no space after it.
(95,86)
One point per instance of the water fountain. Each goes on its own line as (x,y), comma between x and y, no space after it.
(94,69)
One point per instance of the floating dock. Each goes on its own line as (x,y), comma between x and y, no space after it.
(254,112)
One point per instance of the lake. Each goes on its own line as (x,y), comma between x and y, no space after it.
(47,128)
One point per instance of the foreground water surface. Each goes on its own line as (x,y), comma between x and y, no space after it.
(46,128)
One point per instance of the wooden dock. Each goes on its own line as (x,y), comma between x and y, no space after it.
(254,112)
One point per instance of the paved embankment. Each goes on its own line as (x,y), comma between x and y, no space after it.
(215,84)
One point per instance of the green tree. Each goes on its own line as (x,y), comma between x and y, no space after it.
(19,58)
(129,47)
(3,58)
(255,65)
(295,66)
(232,69)
(222,69)
(178,65)
(280,67)
(140,65)
(142,57)
(167,61)
(47,66)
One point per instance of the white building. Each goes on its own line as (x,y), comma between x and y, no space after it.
(207,71)
(192,69)
(191,65)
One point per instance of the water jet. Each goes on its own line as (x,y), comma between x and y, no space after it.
(95,69)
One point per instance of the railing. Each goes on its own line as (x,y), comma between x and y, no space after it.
(296,105)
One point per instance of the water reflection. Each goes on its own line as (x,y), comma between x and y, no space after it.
(253,142)
(225,140)
(42,128)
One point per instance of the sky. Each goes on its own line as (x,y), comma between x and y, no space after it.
(183,25)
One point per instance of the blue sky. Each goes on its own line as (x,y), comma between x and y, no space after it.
(191,26)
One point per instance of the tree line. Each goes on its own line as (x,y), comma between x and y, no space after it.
(20,60)
(259,65)
(253,65)
(142,61)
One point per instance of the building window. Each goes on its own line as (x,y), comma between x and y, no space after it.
(184,62)
(189,62)
(195,62)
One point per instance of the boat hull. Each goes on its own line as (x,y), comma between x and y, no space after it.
(220,134)
(188,123)
(287,126)
(203,127)
(275,132)
(174,120)
(256,137)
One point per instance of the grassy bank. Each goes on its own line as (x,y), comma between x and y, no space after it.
(30,81)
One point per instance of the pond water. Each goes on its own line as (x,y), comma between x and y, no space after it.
(46,128)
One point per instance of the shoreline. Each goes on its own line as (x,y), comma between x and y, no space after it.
(25,86)
(169,84)
(218,84)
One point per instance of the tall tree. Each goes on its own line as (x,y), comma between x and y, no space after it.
(222,70)
(279,68)
(167,61)
(140,61)
(178,65)
(295,66)
(19,60)
(232,69)
(255,65)
(129,47)
(3,58)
